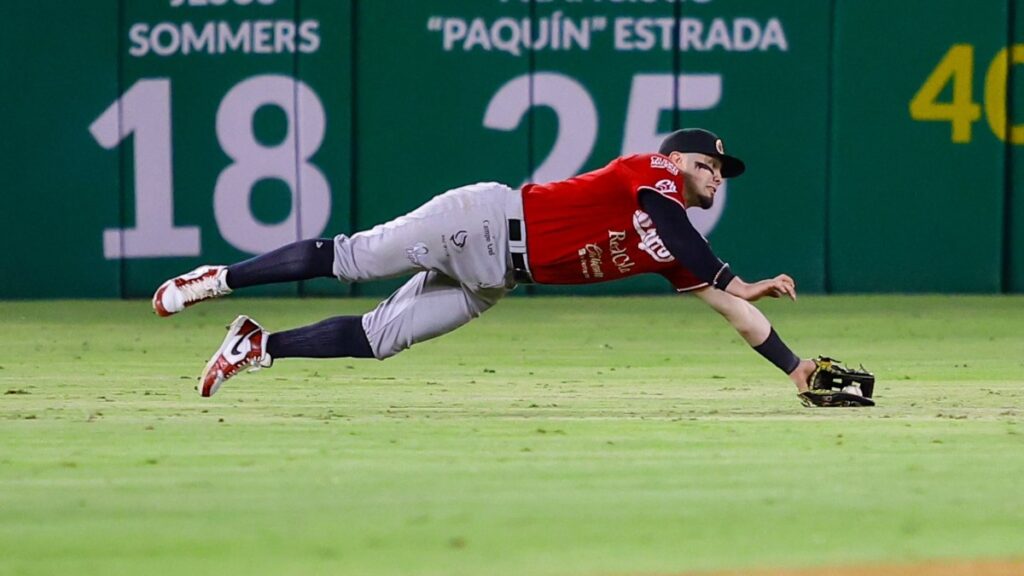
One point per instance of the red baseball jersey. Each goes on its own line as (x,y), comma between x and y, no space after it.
(591,228)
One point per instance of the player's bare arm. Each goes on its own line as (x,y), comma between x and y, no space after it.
(781,285)
(745,318)
(754,327)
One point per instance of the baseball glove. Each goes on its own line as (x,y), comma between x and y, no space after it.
(834,385)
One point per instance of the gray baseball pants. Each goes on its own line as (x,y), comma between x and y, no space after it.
(456,245)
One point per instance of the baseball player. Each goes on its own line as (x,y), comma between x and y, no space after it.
(468,247)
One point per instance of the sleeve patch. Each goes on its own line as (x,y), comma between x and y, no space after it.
(666,186)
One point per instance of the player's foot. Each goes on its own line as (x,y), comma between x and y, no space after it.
(182,291)
(243,347)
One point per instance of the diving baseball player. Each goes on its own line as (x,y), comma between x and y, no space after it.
(468,247)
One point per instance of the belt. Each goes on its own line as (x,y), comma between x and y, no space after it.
(517,249)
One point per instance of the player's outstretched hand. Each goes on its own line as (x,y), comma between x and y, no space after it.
(781,285)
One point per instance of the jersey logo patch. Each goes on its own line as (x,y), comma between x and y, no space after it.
(650,242)
(664,163)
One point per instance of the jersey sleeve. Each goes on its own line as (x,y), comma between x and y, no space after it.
(654,172)
(683,241)
(683,280)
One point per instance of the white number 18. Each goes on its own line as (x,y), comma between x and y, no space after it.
(145,110)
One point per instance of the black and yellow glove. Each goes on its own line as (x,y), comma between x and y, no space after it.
(834,385)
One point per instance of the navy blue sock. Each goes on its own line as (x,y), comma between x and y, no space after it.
(338,337)
(776,352)
(300,260)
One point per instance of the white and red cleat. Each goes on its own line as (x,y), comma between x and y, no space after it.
(183,291)
(243,347)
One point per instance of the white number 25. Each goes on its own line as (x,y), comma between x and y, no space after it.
(650,94)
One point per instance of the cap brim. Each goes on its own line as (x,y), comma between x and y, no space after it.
(731,166)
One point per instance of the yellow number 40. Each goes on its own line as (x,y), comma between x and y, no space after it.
(957,67)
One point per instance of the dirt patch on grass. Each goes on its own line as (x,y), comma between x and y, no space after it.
(987,568)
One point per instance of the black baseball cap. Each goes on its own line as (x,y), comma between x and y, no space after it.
(704,142)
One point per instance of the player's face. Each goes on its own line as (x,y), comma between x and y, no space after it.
(702,175)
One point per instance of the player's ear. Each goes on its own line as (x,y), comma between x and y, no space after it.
(678,158)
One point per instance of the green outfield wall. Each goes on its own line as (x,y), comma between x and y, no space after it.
(140,139)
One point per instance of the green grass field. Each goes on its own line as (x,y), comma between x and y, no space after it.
(551,436)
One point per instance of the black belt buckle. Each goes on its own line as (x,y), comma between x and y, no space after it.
(521,275)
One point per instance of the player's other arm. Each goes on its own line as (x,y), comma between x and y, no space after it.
(692,251)
(727,294)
